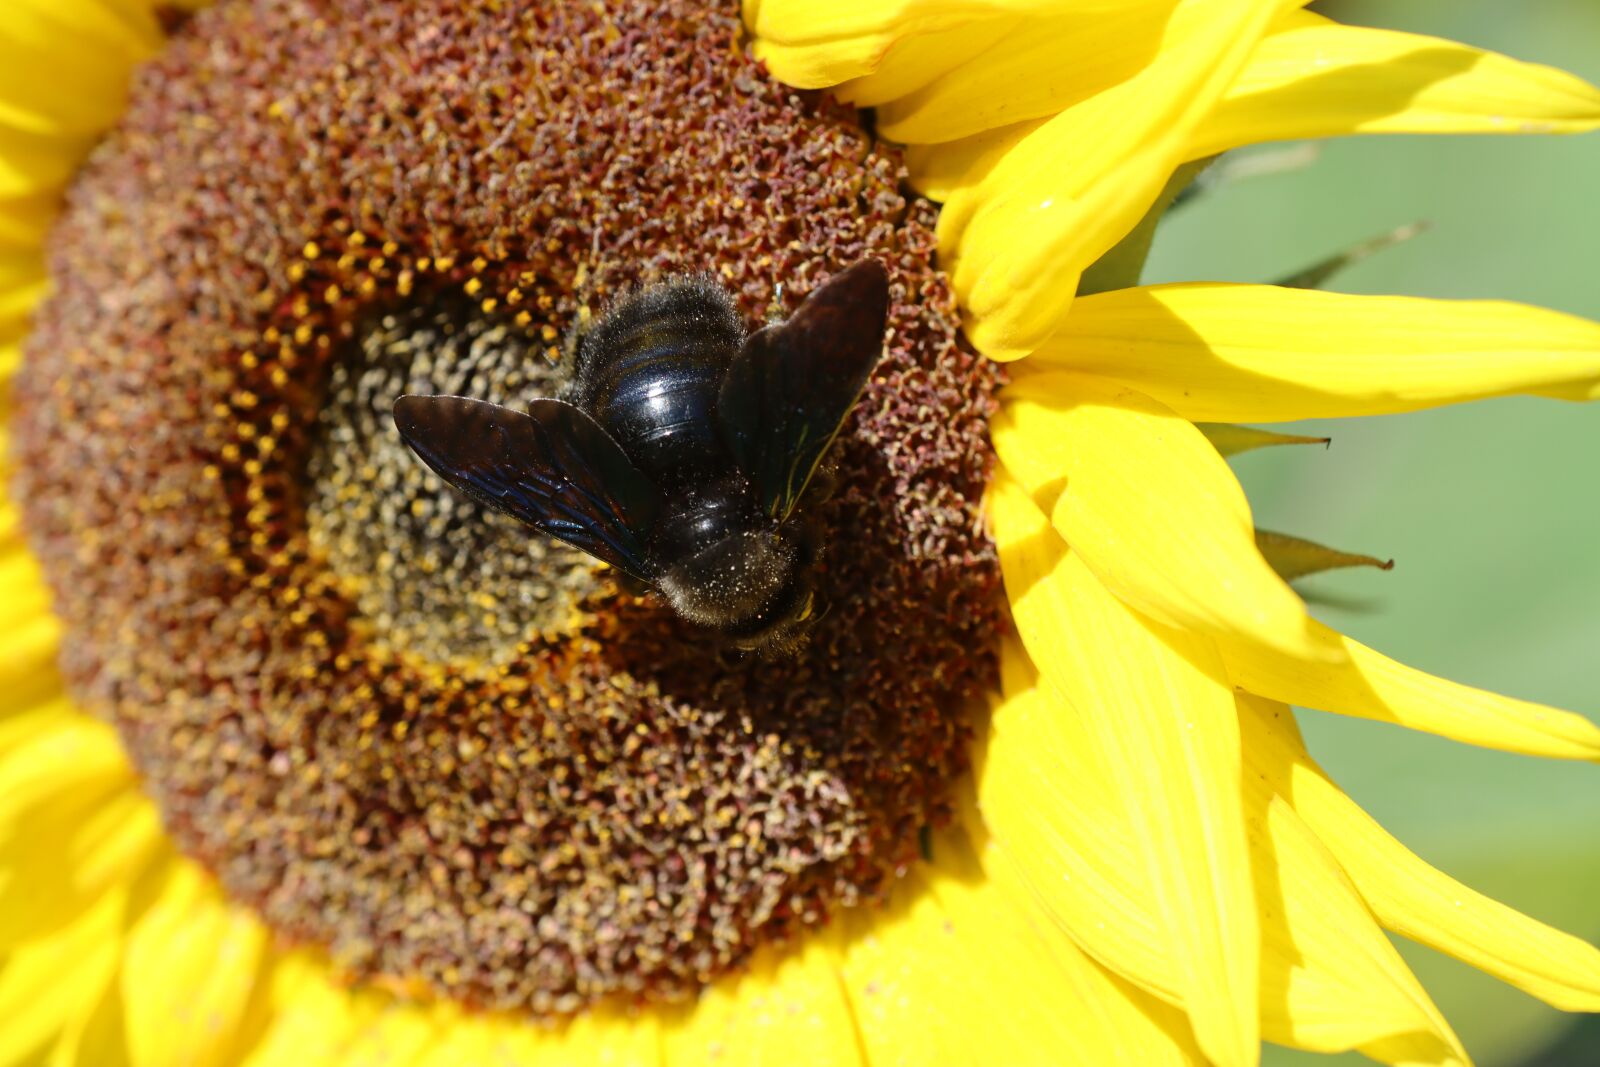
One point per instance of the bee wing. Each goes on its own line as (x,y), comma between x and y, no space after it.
(787,392)
(553,467)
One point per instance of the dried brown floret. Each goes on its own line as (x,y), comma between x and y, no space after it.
(581,796)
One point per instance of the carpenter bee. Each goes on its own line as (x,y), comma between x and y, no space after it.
(681,448)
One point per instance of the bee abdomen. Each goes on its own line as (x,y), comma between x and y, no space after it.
(663,417)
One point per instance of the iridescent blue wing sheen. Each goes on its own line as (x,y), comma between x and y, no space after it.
(553,467)
(787,392)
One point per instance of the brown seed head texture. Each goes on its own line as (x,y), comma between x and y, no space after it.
(390,725)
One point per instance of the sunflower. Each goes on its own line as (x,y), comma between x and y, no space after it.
(304,760)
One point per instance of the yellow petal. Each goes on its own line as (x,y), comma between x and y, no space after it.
(1319,990)
(25,219)
(941,171)
(1409,896)
(893,46)
(24,597)
(505,1041)
(1025,68)
(1162,716)
(692,1034)
(1073,874)
(38,164)
(788,1009)
(63,854)
(55,982)
(1072,1006)
(313,1021)
(1148,505)
(28,665)
(896,991)
(802,1007)
(20,270)
(948,949)
(514,1042)
(79,762)
(463,1039)
(396,1036)
(606,1037)
(1372,686)
(191,968)
(95,1039)
(814,44)
(1050,813)
(1037,67)
(1115,1022)
(913,62)
(23,726)
(17,302)
(1016,243)
(1337,983)
(1259,353)
(105,47)
(1316,78)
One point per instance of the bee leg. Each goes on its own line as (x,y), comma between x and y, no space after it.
(776,312)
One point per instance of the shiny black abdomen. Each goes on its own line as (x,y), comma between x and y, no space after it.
(703,516)
(649,373)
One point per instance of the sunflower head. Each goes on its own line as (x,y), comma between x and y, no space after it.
(397,725)
(446,793)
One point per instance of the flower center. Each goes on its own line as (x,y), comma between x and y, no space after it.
(435,573)
(402,729)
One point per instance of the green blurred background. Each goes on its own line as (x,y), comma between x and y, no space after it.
(1491,510)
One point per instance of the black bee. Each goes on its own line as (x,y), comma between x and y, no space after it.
(681,448)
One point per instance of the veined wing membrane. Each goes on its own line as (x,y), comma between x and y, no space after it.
(785,395)
(552,467)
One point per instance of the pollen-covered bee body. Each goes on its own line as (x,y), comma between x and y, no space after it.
(682,448)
